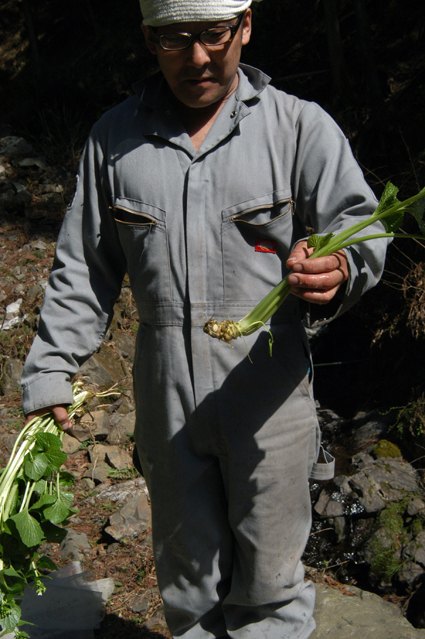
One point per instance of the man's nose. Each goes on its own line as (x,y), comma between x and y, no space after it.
(199,54)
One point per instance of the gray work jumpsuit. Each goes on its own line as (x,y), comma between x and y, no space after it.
(226,445)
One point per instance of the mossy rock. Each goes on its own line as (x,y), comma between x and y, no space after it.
(384,448)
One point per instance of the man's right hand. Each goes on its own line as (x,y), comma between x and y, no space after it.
(59,413)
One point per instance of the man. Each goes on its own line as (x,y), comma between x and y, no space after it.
(201,187)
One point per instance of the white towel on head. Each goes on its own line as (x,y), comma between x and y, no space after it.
(157,13)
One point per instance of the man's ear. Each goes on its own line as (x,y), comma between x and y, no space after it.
(246,26)
(148,39)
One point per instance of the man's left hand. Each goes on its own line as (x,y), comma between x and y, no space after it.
(317,279)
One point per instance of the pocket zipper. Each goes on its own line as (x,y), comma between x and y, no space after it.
(239,217)
(142,215)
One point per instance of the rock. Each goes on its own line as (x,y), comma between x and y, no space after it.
(87,484)
(11,379)
(415,549)
(103,368)
(13,309)
(98,472)
(118,458)
(126,345)
(382,481)
(92,426)
(140,604)
(368,490)
(153,622)
(13,145)
(74,545)
(97,452)
(71,606)
(367,436)
(131,520)
(415,506)
(415,612)
(39,162)
(363,614)
(70,444)
(329,505)
(122,492)
(122,431)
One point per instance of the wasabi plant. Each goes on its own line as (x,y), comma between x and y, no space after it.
(390,211)
(34,503)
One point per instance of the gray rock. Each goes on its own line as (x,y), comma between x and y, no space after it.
(122,492)
(328,505)
(368,435)
(39,162)
(11,379)
(92,426)
(379,482)
(368,490)
(71,606)
(415,549)
(69,444)
(126,345)
(73,545)
(103,368)
(12,145)
(415,507)
(98,472)
(87,484)
(97,453)
(131,520)
(140,604)
(118,458)
(362,615)
(121,433)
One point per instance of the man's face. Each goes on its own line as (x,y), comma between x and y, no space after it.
(200,76)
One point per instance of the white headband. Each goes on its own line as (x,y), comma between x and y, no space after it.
(157,13)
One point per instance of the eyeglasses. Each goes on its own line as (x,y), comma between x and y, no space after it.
(216,37)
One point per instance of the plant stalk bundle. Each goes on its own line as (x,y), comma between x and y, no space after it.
(390,211)
(33,508)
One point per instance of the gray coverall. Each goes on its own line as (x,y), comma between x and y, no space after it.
(227,446)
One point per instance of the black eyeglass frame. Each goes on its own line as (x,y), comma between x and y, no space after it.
(198,36)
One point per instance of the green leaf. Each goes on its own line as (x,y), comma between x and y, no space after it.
(60,510)
(10,616)
(388,198)
(41,486)
(56,458)
(45,563)
(35,467)
(66,479)
(45,500)
(48,441)
(54,534)
(29,529)
(319,241)
(417,209)
(393,222)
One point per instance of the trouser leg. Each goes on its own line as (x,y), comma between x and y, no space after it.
(230,503)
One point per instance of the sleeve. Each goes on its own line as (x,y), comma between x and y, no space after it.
(331,195)
(85,281)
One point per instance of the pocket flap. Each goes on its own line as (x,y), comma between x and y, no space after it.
(134,212)
(261,210)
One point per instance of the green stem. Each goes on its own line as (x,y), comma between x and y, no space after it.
(369,237)
(334,244)
(264,309)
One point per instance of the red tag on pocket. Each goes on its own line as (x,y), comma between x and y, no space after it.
(265,246)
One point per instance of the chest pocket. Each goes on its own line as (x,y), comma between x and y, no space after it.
(256,240)
(142,231)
